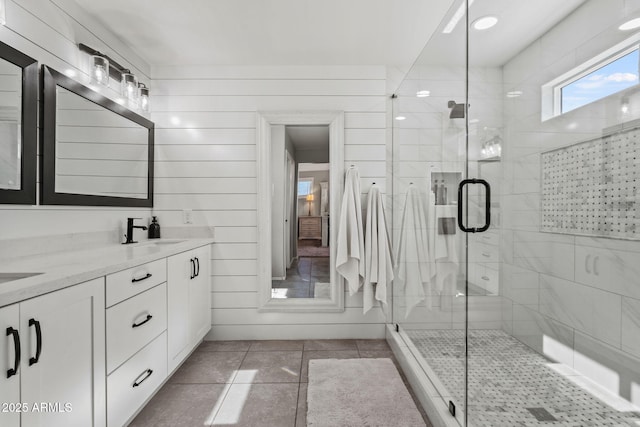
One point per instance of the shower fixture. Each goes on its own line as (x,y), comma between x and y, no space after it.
(457,110)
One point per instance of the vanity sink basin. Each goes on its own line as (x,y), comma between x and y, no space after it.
(10,277)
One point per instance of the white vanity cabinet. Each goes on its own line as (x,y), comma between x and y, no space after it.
(136,338)
(60,377)
(189,302)
(9,378)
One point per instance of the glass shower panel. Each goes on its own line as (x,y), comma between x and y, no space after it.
(554,287)
(429,162)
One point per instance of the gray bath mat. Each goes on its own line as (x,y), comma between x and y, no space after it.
(358,392)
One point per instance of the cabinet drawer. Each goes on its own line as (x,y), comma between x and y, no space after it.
(127,283)
(132,383)
(123,339)
(481,252)
(487,278)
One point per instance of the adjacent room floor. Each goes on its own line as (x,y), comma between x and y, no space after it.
(249,383)
(303,278)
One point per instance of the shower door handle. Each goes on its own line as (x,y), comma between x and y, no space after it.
(487,208)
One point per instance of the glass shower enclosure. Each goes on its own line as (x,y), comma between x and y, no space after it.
(516,220)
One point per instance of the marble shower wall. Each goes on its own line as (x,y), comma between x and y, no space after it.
(573,298)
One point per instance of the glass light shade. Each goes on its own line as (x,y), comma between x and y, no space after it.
(3,12)
(130,89)
(144,99)
(309,197)
(100,72)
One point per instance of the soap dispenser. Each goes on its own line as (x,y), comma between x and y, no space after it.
(154,229)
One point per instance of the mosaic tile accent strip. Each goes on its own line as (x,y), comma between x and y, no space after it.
(507,380)
(592,188)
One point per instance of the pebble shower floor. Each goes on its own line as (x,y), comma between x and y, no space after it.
(507,380)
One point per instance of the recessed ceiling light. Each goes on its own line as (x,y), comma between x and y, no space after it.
(423,93)
(514,94)
(630,25)
(485,22)
(401,118)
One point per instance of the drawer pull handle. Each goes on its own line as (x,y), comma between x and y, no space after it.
(197,267)
(34,360)
(134,280)
(485,278)
(16,349)
(193,268)
(486,255)
(146,374)
(149,317)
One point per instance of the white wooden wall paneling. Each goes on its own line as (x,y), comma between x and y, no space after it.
(274,87)
(167,103)
(205,138)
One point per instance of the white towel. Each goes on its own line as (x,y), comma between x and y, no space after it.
(413,261)
(446,252)
(377,250)
(350,244)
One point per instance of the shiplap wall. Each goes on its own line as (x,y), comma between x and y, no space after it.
(49,31)
(206,161)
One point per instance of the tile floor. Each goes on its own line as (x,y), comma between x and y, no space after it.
(512,385)
(248,383)
(302,277)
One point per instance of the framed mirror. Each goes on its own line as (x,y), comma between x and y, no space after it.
(300,182)
(18,126)
(95,152)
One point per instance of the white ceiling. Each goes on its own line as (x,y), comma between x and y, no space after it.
(520,22)
(272,32)
(309,137)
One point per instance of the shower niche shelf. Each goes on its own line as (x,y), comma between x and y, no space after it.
(444,187)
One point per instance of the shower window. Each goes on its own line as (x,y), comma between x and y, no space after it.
(613,77)
(610,72)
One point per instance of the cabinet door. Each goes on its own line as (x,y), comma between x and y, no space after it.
(200,296)
(180,269)
(64,375)
(9,386)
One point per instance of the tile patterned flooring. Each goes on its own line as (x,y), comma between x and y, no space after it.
(302,277)
(249,383)
(507,380)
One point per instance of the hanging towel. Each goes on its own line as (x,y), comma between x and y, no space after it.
(413,261)
(446,253)
(377,252)
(350,244)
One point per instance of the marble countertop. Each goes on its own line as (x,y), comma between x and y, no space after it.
(68,268)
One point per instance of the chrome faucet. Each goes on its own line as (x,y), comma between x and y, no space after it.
(130,228)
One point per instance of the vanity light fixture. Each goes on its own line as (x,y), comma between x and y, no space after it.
(3,12)
(105,68)
(144,97)
(624,105)
(630,25)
